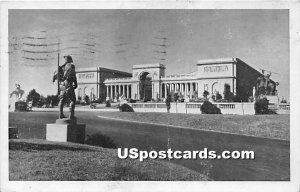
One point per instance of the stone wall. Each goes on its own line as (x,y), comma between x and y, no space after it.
(194,108)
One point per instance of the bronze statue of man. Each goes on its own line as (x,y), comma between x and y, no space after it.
(68,84)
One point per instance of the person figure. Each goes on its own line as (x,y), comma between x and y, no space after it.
(168,103)
(67,86)
(107,102)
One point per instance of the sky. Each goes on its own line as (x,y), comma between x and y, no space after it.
(119,39)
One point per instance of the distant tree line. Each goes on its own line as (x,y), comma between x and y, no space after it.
(39,100)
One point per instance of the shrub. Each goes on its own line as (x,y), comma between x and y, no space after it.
(125,108)
(20,106)
(93,105)
(218,96)
(261,107)
(176,97)
(208,108)
(87,100)
(205,94)
(98,139)
(107,103)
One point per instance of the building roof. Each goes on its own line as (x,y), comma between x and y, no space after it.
(86,69)
(95,69)
(216,61)
(153,65)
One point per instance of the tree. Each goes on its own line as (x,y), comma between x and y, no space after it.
(55,100)
(205,94)
(42,101)
(218,96)
(33,96)
(176,96)
(49,100)
(228,95)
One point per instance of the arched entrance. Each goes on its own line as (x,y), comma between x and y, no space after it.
(145,86)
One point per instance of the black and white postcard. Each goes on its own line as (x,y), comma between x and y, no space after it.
(140,96)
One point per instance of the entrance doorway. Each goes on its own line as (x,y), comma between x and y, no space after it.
(145,87)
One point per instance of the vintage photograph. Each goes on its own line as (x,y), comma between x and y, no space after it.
(149,95)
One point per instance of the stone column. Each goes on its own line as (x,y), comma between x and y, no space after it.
(107,91)
(127,91)
(187,88)
(138,92)
(180,88)
(115,90)
(165,90)
(110,91)
(152,94)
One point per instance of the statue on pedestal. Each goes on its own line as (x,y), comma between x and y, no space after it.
(67,84)
(66,129)
(18,92)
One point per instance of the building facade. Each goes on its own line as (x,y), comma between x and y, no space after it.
(148,81)
(91,81)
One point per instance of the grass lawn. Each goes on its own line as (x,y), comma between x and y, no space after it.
(31,160)
(271,162)
(271,126)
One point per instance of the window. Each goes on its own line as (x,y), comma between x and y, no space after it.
(205,87)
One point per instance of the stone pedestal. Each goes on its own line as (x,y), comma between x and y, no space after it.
(66,130)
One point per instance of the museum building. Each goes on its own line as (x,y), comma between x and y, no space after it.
(91,81)
(148,81)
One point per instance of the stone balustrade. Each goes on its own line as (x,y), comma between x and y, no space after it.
(284,106)
(194,108)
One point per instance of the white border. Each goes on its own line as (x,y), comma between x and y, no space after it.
(293,185)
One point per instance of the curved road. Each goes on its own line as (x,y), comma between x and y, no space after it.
(271,156)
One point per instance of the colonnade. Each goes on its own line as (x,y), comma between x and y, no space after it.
(121,90)
(183,88)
